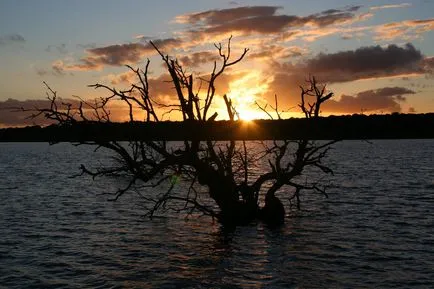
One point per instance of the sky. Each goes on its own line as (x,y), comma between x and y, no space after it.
(375,56)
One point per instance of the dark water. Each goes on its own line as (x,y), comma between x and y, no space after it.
(375,231)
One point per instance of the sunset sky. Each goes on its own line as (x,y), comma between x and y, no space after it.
(376,56)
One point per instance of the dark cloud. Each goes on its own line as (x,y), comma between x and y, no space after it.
(365,62)
(260,24)
(362,63)
(120,54)
(385,99)
(198,58)
(277,52)
(332,16)
(219,17)
(117,54)
(260,19)
(11,38)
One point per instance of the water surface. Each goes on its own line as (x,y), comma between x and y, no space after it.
(375,230)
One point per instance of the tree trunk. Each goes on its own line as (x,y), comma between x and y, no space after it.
(273,212)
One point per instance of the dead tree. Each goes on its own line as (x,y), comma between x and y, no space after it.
(213,178)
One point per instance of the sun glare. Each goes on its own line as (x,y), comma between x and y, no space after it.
(244,92)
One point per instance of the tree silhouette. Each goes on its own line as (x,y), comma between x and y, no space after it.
(218,179)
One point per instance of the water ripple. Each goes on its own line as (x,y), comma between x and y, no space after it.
(375,230)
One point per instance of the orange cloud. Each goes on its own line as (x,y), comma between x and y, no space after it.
(314,34)
(408,29)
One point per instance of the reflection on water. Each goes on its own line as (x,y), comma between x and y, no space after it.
(375,230)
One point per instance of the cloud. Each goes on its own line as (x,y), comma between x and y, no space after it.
(120,54)
(314,34)
(384,99)
(218,17)
(11,38)
(363,63)
(58,68)
(161,87)
(277,52)
(261,20)
(333,16)
(402,5)
(121,78)
(196,59)
(117,55)
(213,25)
(407,29)
(162,90)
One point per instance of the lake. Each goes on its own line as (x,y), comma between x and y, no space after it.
(376,229)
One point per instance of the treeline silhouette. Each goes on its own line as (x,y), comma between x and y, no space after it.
(357,126)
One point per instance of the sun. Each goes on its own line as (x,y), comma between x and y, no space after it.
(249,114)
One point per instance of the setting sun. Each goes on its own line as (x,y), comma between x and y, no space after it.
(248,115)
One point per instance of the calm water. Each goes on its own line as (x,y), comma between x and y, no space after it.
(375,230)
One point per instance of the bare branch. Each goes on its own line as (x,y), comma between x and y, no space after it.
(172,176)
